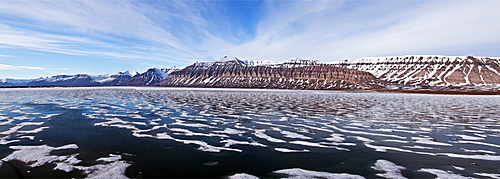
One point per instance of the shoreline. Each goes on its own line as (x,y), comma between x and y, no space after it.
(426,91)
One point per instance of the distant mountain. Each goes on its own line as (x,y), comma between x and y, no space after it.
(64,80)
(14,82)
(449,74)
(150,77)
(293,74)
(114,79)
(121,78)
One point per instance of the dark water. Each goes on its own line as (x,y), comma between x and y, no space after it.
(214,133)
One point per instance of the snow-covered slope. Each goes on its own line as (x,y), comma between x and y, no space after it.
(14,82)
(431,70)
(151,76)
(293,62)
(114,79)
(133,78)
(64,80)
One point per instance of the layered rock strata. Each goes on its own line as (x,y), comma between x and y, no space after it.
(237,74)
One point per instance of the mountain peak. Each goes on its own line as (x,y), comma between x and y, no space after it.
(228,59)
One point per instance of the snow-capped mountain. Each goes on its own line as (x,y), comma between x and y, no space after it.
(293,62)
(407,73)
(121,78)
(114,79)
(431,70)
(14,82)
(64,80)
(151,76)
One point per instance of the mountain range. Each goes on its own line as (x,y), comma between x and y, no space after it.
(125,78)
(412,73)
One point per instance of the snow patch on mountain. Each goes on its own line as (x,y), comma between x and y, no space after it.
(14,82)
(430,70)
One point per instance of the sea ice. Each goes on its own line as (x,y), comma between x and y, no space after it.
(294,135)
(336,137)
(37,155)
(441,174)
(115,169)
(230,131)
(242,176)
(491,175)
(428,141)
(467,137)
(230,142)
(290,150)
(37,130)
(391,170)
(301,173)
(260,133)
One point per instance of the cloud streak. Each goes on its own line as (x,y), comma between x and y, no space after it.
(181,32)
(11,67)
(337,30)
(119,29)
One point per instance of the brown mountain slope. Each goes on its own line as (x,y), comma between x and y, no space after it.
(236,74)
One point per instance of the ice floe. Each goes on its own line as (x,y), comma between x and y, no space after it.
(301,173)
(294,135)
(37,130)
(242,176)
(312,144)
(467,137)
(441,174)
(260,133)
(285,150)
(230,142)
(428,141)
(491,175)
(37,155)
(115,168)
(391,170)
(230,131)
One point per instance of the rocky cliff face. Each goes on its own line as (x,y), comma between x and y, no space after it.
(295,74)
(438,71)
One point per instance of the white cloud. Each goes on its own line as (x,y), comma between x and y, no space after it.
(12,67)
(336,30)
(119,18)
(185,31)
(118,29)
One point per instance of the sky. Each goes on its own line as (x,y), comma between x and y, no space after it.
(42,38)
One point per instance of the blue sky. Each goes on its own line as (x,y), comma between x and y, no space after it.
(52,37)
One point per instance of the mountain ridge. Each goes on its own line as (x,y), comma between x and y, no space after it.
(393,73)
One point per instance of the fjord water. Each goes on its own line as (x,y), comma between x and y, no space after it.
(187,132)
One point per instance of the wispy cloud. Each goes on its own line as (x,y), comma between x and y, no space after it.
(181,32)
(334,30)
(119,29)
(12,67)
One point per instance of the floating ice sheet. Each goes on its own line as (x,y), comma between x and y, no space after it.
(301,173)
(443,174)
(391,170)
(242,176)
